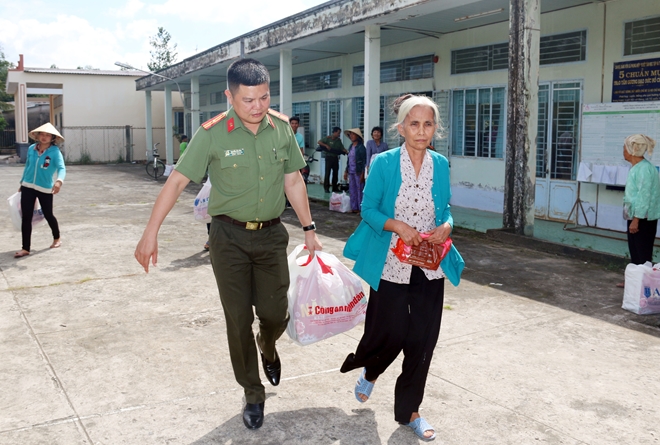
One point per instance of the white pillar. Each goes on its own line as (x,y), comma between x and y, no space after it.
(169,133)
(286,72)
(20,113)
(194,104)
(371,79)
(149,133)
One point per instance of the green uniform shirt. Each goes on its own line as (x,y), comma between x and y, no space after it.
(335,145)
(182,148)
(246,170)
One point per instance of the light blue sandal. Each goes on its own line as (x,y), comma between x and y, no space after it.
(363,386)
(420,426)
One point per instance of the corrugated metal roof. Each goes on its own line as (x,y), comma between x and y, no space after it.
(85,72)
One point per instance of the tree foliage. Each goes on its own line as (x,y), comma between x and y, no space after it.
(4,97)
(163,54)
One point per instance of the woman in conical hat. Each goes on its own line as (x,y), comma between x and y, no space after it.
(43,177)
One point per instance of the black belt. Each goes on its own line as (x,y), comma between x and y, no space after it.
(250,225)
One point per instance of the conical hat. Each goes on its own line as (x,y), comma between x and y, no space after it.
(47,128)
(354,130)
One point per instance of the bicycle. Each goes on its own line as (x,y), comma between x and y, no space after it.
(155,168)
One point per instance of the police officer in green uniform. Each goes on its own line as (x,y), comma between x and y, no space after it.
(253,160)
(333,149)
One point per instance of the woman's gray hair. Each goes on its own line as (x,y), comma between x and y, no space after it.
(402,106)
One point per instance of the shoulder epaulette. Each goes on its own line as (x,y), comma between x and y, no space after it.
(279,115)
(214,120)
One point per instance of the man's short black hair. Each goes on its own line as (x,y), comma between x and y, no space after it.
(248,72)
(183,136)
(377,128)
(336,129)
(294,118)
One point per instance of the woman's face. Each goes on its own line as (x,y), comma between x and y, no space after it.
(627,156)
(376,135)
(418,128)
(352,136)
(45,138)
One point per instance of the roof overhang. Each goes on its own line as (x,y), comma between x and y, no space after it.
(337,28)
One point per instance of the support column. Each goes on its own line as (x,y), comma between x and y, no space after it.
(194,105)
(522,116)
(169,133)
(371,79)
(148,123)
(286,88)
(21,121)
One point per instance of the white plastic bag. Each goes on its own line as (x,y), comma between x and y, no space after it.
(168,170)
(201,204)
(16,214)
(641,294)
(340,202)
(325,297)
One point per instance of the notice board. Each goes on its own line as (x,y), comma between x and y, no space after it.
(606,125)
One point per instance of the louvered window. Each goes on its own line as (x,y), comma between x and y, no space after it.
(478,121)
(642,36)
(398,70)
(218,98)
(563,48)
(482,58)
(315,82)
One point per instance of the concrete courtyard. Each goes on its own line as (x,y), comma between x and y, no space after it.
(534,347)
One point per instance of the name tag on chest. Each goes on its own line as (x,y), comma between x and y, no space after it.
(238,152)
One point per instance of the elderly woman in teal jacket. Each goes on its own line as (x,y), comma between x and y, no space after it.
(406,194)
(43,177)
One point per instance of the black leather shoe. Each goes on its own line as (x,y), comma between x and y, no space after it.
(272,370)
(253,415)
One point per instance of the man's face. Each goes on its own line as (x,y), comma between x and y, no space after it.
(294,126)
(336,134)
(250,103)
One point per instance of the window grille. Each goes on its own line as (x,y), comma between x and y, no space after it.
(358,115)
(642,36)
(559,48)
(563,48)
(478,122)
(559,130)
(482,58)
(442,100)
(218,98)
(315,82)
(398,70)
(303,111)
(274,88)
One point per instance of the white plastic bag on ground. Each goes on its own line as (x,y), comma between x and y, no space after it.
(641,293)
(16,214)
(325,297)
(340,202)
(201,204)
(168,170)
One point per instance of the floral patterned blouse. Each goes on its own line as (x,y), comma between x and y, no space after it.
(414,206)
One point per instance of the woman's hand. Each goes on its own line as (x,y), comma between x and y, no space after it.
(439,234)
(345,175)
(634,226)
(362,178)
(408,234)
(56,187)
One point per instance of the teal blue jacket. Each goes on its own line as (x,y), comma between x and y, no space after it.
(41,172)
(369,243)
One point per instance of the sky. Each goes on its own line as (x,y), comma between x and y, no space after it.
(74,33)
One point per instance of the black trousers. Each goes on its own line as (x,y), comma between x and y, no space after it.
(401,317)
(252,273)
(28,198)
(640,244)
(331,164)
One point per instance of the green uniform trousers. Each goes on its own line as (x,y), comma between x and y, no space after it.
(250,268)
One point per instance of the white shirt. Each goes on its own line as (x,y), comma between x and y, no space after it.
(414,206)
